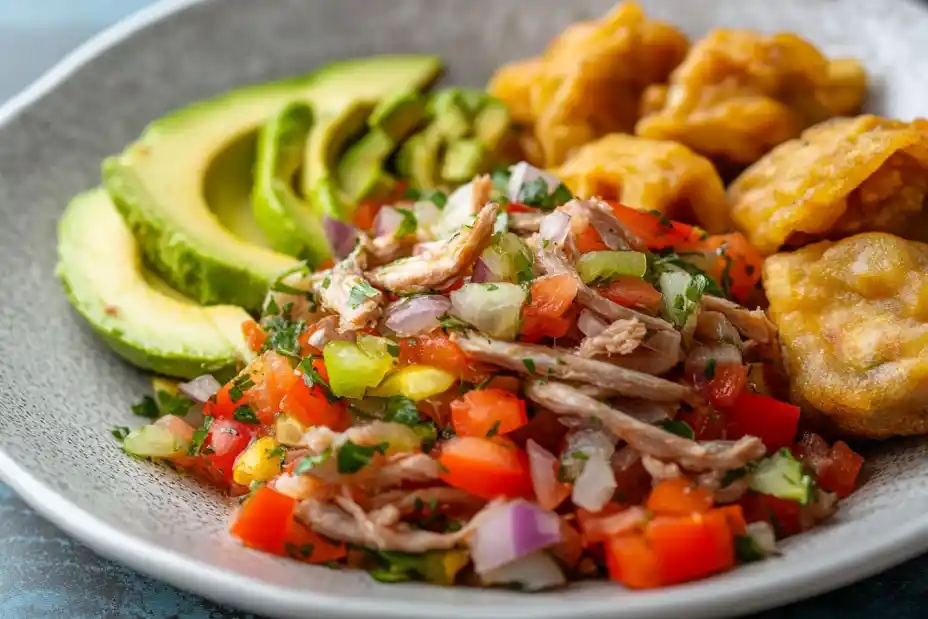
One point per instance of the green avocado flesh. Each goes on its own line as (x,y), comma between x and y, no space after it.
(192,234)
(285,218)
(137,315)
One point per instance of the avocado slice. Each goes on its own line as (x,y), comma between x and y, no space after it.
(451,113)
(360,171)
(287,220)
(157,182)
(491,124)
(417,159)
(136,314)
(464,159)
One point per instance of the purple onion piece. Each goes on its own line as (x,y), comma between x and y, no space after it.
(415,315)
(512,531)
(342,236)
(590,324)
(481,274)
(201,388)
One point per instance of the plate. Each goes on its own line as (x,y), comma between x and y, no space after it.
(61,390)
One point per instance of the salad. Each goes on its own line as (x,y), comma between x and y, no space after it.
(509,386)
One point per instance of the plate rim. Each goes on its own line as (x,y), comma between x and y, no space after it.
(259,596)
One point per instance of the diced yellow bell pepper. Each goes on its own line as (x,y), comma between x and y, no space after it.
(288,431)
(260,462)
(355,367)
(416,382)
(443,568)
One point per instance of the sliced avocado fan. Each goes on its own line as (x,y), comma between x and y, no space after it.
(157,183)
(289,223)
(137,315)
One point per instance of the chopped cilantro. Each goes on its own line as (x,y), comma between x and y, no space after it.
(580,455)
(272,307)
(560,195)
(678,427)
(326,282)
(529,364)
(732,476)
(661,218)
(500,178)
(283,335)
(147,408)
(241,384)
(393,349)
(352,458)
(199,436)
(492,287)
(119,432)
(177,405)
(670,261)
(312,378)
(408,225)
(450,323)
(279,451)
(709,371)
(747,550)
(535,193)
(360,293)
(494,430)
(245,414)
(309,462)
(412,193)
(401,409)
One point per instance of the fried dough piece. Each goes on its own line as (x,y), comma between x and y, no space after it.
(853,322)
(739,93)
(588,81)
(650,175)
(844,176)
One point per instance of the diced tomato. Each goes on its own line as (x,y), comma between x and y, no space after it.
(545,428)
(781,514)
(518,207)
(311,407)
(632,561)
(254,335)
(304,544)
(225,440)
(569,550)
(365,214)
(836,468)
(487,468)
(307,349)
(736,261)
(726,384)
(221,405)
(319,365)
(487,411)
(264,519)
(734,515)
(587,239)
(657,231)
(633,292)
(707,423)
(546,314)
(679,497)
(437,349)
(273,376)
(772,421)
(691,547)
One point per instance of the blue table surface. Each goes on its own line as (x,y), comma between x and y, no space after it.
(44,573)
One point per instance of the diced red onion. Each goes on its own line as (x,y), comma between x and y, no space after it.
(342,236)
(201,388)
(534,572)
(590,324)
(595,485)
(542,465)
(554,227)
(512,531)
(719,354)
(415,315)
(387,222)
(481,274)
(523,173)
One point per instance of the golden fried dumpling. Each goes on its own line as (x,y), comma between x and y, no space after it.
(649,175)
(739,93)
(844,176)
(589,80)
(853,323)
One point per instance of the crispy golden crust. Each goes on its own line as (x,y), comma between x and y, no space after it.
(739,93)
(853,323)
(589,80)
(649,175)
(841,177)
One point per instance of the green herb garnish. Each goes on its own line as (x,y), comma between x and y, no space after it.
(352,458)
(360,293)
(245,414)
(310,462)
(678,427)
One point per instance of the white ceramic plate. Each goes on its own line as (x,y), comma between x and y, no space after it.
(60,389)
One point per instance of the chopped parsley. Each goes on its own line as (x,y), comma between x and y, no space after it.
(747,550)
(529,364)
(709,371)
(492,287)
(312,378)
(360,293)
(450,323)
(678,427)
(500,179)
(147,408)
(494,430)
(283,335)
(352,457)
(199,436)
(535,193)
(408,225)
(245,414)
(241,384)
(580,455)
(670,261)
(119,432)
(310,462)
(271,307)
(438,198)
(401,409)
(393,349)
(326,282)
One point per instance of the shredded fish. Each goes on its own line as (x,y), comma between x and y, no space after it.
(343,290)
(620,338)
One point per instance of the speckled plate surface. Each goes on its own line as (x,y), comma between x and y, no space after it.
(60,389)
